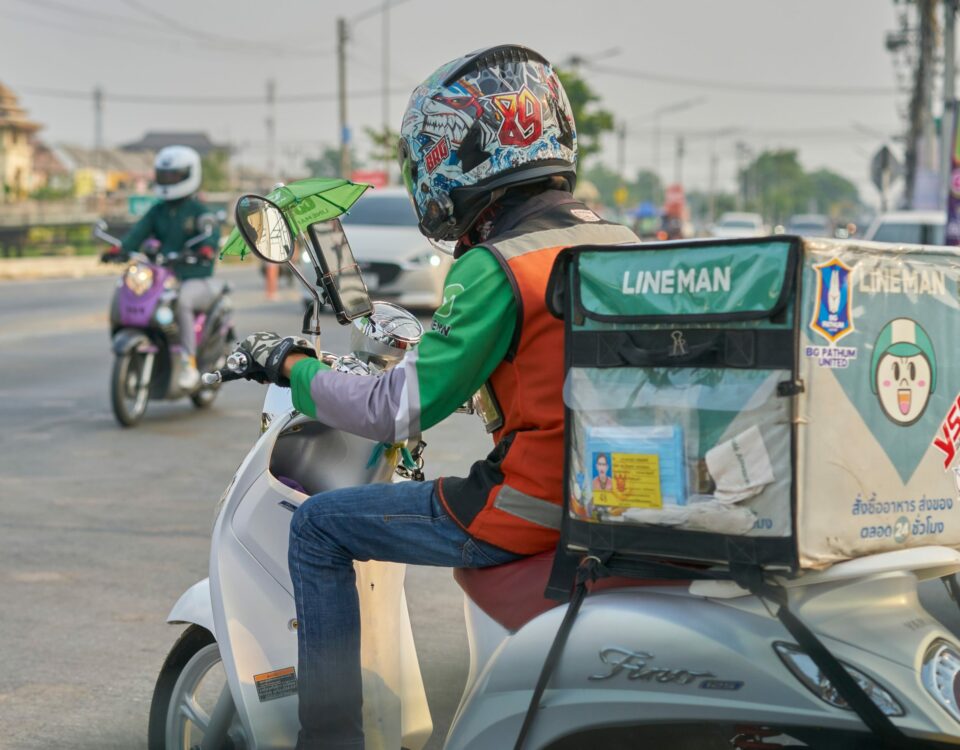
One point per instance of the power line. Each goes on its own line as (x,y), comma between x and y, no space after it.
(168,22)
(195,100)
(753,88)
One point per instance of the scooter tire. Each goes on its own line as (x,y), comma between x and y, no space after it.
(191,641)
(204,398)
(125,415)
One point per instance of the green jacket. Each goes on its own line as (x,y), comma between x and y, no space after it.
(173,223)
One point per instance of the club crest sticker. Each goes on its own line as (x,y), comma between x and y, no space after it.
(903,372)
(833,311)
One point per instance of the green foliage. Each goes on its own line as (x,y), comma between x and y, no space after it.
(776,186)
(215,172)
(328,163)
(645,186)
(591,121)
(48,193)
(385,142)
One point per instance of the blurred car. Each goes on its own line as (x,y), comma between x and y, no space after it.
(909,227)
(738,224)
(809,225)
(398,263)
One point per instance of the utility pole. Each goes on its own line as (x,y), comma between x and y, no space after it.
(385,83)
(98,125)
(678,161)
(948,120)
(622,152)
(342,97)
(271,123)
(920,133)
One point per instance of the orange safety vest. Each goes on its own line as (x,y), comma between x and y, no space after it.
(514,498)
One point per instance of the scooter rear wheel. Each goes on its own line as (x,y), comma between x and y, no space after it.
(187,690)
(128,398)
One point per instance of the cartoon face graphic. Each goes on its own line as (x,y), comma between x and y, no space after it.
(903,371)
(903,386)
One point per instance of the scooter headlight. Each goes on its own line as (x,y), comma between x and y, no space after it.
(163,315)
(940,674)
(138,278)
(805,670)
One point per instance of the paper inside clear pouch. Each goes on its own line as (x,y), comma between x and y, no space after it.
(705,449)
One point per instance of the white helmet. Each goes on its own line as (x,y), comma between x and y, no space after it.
(177,172)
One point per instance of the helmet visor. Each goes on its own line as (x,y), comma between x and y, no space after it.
(173,176)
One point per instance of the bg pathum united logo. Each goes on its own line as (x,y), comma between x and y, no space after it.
(833,311)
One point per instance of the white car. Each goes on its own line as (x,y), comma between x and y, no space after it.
(737,224)
(398,263)
(909,228)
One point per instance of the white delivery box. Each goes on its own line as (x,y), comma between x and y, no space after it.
(781,402)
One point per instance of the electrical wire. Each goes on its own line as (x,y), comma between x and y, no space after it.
(168,22)
(752,88)
(200,99)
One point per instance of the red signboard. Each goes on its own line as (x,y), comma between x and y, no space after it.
(376,177)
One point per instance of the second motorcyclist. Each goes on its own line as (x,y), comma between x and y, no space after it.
(488,153)
(178,217)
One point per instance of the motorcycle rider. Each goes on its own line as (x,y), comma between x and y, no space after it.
(488,152)
(179,217)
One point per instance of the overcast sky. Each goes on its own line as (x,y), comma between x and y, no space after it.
(229,49)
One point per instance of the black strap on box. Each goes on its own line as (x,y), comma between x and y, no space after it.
(760,349)
(889,734)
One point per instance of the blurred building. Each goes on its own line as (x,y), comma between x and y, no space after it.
(155,140)
(16,148)
(88,171)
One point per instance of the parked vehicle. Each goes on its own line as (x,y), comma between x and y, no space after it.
(705,665)
(737,224)
(398,262)
(145,335)
(909,227)
(809,225)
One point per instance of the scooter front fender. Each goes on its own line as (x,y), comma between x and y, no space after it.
(127,339)
(194,607)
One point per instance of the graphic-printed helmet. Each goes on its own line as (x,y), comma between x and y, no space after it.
(177,172)
(490,120)
(903,337)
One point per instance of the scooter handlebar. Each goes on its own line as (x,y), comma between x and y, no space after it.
(236,367)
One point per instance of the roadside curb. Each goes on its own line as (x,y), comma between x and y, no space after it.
(27,269)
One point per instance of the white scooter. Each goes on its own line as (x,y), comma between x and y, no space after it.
(703,665)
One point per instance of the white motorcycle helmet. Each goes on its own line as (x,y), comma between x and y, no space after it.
(177,172)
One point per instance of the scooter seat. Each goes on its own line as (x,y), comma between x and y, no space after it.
(513,594)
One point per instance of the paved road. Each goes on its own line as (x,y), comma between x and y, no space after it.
(101,528)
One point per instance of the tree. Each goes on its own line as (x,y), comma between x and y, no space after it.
(328,163)
(385,144)
(215,175)
(776,185)
(591,121)
(644,187)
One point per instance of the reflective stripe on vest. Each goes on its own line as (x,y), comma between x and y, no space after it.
(580,234)
(533,509)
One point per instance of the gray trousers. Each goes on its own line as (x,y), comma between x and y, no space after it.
(196,295)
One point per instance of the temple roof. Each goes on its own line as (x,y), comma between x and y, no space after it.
(12,115)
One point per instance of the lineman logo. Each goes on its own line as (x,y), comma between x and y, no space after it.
(903,372)
(449,297)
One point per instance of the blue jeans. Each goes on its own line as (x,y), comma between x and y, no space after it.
(403,522)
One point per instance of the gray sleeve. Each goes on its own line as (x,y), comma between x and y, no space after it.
(384,408)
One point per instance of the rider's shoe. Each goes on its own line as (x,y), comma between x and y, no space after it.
(189,377)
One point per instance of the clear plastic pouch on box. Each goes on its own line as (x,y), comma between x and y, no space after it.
(699,449)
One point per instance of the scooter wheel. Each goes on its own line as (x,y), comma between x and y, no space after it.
(205,397)
(127,397)
(187,689)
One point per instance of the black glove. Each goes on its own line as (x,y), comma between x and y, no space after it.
(267,352)
(113,254)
